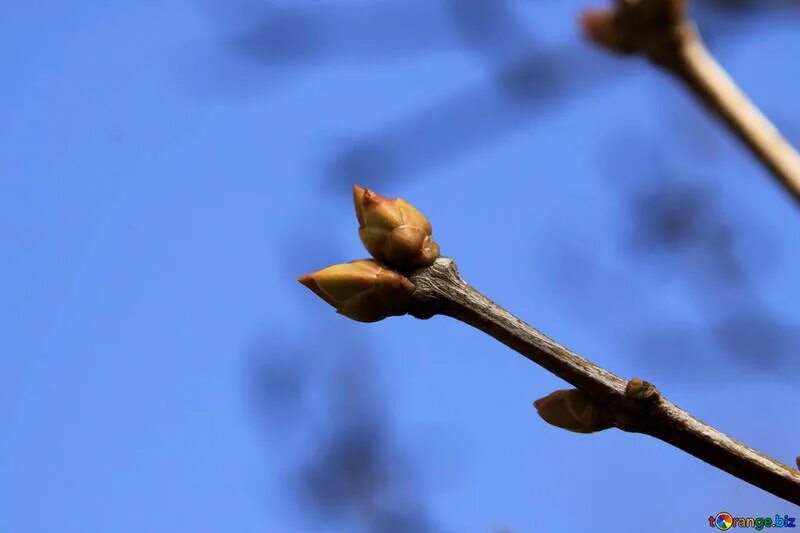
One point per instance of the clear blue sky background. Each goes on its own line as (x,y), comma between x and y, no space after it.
(167,170)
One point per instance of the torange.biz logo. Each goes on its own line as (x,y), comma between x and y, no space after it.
(726,521)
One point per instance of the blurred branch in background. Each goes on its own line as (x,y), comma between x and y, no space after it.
(662,32)
(685,232)
(472,118)
(319,402)
(311,391)
(524,77)
(676,232)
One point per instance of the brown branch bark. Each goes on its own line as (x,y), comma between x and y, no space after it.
(440,290)
(661,31)
(709,81)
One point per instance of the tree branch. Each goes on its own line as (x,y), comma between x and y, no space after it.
(709,81)
(440,290)
(661,31)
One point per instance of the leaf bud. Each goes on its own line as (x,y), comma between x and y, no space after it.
(573,410)
(363,290)
(641,390)
(394,231)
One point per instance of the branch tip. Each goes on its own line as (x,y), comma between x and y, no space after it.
(393,231)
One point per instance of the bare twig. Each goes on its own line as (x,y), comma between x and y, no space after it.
(368,291)
(661,31)
(440,290)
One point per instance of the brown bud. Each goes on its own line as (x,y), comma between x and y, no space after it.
(641,390)
(394,231)
(797,461)
(573,410)
(363,290)
(637,26)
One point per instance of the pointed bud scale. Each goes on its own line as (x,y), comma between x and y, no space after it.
(573,410)
(394,231)
(363,290)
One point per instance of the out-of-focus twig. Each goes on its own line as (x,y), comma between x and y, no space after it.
(661,31)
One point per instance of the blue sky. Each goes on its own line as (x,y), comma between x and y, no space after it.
(167,170)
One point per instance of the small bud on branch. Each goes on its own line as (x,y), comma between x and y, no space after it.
(363,290)
(641,390)
(441,290)
(394,231)
(573,410)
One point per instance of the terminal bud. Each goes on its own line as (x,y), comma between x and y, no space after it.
(394,231)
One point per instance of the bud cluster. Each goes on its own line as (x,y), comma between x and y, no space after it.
(399,238)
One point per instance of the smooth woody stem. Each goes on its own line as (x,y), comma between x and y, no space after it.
(662,31)
(709,81)
(440,290)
